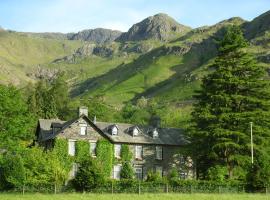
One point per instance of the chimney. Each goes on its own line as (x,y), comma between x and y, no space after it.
(155,121)
(83,110)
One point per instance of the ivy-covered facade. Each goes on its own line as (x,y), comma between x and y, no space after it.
(120,148)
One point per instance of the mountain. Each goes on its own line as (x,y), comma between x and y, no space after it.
(98,35)
(160,27)
(258,26)
(157,59)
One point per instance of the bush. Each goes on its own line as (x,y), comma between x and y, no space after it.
(153,177)
(88,176)
(217,173)
(127,171)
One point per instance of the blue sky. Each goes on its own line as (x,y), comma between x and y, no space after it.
(75,15)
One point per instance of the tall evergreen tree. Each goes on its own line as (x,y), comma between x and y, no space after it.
(233,95)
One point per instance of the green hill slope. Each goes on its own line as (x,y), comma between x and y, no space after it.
(20,54)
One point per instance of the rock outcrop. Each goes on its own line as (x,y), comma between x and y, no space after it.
(98,35)
(161,27)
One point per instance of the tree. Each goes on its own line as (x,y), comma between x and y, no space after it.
(89,175)
(15,120)
(41,101)
(233,95)
(13,171)
(126,156)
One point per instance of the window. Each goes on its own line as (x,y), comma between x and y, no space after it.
(117,150)
(83,129)
(138,172)
(117,171)
(159,152)
(74,170)
(71,147)
(138,152)
(114,130)
(155,133)
(182,160)
(135,131)
(159,170)
(183,175)
(93,146)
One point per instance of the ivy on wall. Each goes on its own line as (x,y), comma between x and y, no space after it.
(105,156)
(61,151)
(126,156)
(82,150)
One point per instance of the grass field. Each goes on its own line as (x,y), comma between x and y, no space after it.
(133,196)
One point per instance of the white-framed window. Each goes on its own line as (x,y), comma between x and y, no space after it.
(138,152)
(74,170)
(138,169)
(93,147)
(71,147)
(117,150)
(135,131)
(183,175)
(83,129)
(159,152)
(117,171)
(159,170)
(114,130)
(155,133)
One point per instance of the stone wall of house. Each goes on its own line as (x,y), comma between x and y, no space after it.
(73,132)
(172,158)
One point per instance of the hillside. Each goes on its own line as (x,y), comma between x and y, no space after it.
(157,58)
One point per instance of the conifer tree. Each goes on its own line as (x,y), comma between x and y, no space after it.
(234,94)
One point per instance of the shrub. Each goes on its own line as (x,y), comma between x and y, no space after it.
(88,176)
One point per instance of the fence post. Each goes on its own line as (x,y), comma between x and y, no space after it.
(219,191)
(167,188)
(112,187)
(266,189)
(23,189)
(139,187)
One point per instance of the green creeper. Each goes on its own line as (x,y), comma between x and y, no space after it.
(234,94)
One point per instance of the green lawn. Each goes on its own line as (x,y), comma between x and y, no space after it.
(133,196)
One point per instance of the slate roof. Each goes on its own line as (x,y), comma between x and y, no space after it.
(167,136)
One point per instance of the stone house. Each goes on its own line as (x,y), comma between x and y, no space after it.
(154,148)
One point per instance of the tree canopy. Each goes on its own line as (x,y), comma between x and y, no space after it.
(232,95)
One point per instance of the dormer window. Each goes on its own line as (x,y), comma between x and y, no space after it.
(135,131)
(114,130)
(155,133)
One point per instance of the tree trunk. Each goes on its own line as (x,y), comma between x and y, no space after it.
(55,188)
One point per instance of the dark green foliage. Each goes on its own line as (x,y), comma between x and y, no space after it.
(127,171)
(41,101)
(16,122)
(153,176)
(105,156)
(14,174)
(89,175)
(126,154)
(173,175)
(233,95)
(82,150)
(50,99)
(217,173)
(60,94)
